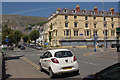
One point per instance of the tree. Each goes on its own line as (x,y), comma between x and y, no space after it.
(29,28)
(25,37)
(5,26)
(34,35)
(7,33)
(17,36)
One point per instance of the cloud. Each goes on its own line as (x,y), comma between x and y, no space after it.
(26,11)
(31,10)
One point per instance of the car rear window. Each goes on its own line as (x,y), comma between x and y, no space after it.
(62,54)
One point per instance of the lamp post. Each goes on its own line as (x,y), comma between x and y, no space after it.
(104,27)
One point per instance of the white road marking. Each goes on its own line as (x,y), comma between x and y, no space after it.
(88,63)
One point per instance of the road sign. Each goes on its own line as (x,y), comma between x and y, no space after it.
(80,34)
(46,43)
(7,40)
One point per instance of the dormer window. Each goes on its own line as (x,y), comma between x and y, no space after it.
(65,11)
(57,11)
(93,12)
(101,12)
(110,13)
(84,12)
(74,11)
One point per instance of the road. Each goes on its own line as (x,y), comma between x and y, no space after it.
(29,59)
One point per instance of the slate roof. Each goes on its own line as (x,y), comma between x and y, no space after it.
(87,12)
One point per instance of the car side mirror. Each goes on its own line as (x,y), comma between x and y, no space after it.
(41,56)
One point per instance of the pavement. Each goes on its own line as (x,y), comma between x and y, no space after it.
(108,54)
(19,67)
(24,63)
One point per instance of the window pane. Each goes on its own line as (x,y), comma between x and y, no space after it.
(87,33)
(86,25)
(65,17)
(75,17)
(86,18)
(75,24)
(66,24)
(67,32)
(62,54)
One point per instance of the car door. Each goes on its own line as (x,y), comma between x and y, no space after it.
(111,73)
(48,60)
(43,61)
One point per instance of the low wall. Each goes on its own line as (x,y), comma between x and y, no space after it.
(1,58)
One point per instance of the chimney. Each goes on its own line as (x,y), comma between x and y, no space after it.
(112,10)
(78,8)
(58,9)
(96,9)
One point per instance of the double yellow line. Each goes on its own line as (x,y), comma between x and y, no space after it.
(32,63)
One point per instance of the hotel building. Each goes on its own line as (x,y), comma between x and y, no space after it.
(76,27)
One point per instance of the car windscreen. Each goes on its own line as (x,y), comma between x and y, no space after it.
(62,54)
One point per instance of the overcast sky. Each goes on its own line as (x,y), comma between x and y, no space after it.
(59,0)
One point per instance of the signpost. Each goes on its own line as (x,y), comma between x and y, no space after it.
(95,39)
(7,40)
(80,34)
(118,35)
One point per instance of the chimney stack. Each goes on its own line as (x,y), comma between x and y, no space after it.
(112,10)
(78,8)
(96,9)
(58,9)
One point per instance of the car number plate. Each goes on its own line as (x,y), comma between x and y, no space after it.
(67,68)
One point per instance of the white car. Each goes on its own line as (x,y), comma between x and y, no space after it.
(58,61)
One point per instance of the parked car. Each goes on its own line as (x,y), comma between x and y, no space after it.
(3,46)
(114,45)
(109,73)
(58,61)
(10,48)
(22,47)
(19,46)
(39,47)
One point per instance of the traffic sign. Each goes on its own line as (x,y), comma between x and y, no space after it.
(46,43)
(7,40)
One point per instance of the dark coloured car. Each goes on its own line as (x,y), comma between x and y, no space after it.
(22,47)
(109,73)
(19,46)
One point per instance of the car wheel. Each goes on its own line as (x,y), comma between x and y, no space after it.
(77,72)
(41,69)
(51,74)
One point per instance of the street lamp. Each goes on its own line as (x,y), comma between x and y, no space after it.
(104,28)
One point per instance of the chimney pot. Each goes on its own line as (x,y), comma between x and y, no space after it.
(96,9)
(112,10)
(58,9)
(78,8)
